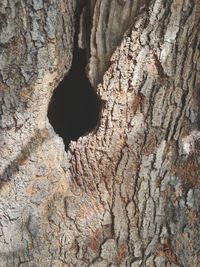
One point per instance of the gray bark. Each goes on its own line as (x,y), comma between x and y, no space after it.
(128,194)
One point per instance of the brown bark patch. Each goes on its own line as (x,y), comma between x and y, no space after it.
(136,103)
(165,249)
(189,173)
(192,217)
(25,93)
(94,240)
(150,146)
(121,252)
(154,66)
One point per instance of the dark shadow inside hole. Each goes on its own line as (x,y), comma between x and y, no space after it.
(74,109)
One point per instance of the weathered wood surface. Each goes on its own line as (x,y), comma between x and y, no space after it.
(127,195)
(110,20)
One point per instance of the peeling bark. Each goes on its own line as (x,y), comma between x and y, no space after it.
(128,194)
(109,22)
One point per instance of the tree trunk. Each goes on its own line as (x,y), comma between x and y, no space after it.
(127,194)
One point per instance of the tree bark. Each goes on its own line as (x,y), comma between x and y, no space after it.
(129,193)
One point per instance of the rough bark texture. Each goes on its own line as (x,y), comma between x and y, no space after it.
(134,184)
(36,41)
(109,22)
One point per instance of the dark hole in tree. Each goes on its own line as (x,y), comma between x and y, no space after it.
(75,107)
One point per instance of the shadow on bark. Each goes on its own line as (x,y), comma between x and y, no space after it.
(28,148)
